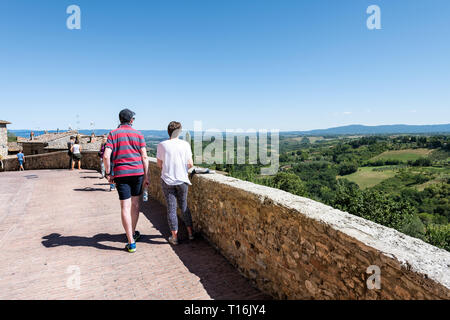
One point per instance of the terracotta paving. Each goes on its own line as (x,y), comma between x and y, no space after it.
(61,237)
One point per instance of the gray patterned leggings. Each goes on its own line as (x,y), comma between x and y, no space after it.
(174,194)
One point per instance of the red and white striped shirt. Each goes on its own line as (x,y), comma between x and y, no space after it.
(126,144)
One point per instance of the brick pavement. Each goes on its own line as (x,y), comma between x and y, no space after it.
(56,223)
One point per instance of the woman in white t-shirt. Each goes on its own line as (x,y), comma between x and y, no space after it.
(175,159)
(76,151)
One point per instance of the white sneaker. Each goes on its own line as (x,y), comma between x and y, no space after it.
(173,241)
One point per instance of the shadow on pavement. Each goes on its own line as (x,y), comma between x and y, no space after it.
(90,189)
(219,278)
(56,240)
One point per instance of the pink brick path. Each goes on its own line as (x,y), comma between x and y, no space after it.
(53,219)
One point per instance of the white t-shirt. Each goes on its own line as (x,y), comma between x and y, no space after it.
(76,148)
(175,155)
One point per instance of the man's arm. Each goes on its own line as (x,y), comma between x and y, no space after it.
(190,162)
(145,162)
(160,163)
(107,162)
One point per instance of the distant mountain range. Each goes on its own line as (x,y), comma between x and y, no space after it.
(383,129)
(344,130)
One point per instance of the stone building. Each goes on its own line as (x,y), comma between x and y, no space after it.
(3,138)
(52,142)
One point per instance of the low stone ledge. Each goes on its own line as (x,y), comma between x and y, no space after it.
(52,160)
(295,248)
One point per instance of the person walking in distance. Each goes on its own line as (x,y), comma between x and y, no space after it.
(125,147)
(21,159)
(70,143)
(76,151)
(174,157)
(100,154)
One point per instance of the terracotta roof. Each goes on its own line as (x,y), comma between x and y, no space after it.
(61,143)
(4,122)
(47,137)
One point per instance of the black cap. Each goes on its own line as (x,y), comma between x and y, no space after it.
(126,115)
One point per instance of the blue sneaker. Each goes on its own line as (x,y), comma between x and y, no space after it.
(131,247)
(136,235)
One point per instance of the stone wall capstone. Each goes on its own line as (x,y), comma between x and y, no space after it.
(295,248)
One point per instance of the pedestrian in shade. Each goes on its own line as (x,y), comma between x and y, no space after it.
(174,157)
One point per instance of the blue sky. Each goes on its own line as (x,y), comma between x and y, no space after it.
(289,65)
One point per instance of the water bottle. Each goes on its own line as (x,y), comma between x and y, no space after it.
(145,196)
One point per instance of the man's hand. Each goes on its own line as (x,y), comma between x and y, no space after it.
(146,182)
(110,179)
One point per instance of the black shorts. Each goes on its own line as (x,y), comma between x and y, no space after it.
(129,186)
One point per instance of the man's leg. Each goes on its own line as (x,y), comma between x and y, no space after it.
(134,212)
(127,222)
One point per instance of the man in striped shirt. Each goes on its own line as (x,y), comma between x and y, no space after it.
(125,147)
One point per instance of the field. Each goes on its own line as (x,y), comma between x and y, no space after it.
(311,139)
(403,155)
(367,177)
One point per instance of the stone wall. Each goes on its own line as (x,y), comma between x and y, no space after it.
(3,141)
(53,160)
(295,248)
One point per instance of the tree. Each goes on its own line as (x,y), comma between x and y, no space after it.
(374,205)
(289,182)
(347,168)
(11,137)
(438,236)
